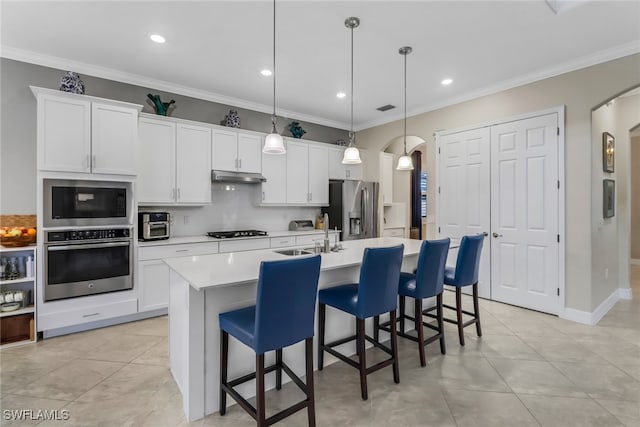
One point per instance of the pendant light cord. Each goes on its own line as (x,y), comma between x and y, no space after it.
(405,104)
(351,134)
(273,117)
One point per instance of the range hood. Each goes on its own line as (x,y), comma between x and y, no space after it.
(237,177)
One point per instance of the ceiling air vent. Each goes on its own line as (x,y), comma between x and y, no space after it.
(386,107)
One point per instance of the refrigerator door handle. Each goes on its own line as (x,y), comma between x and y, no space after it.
(363,211)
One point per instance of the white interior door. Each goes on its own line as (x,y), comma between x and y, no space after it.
(464,199)
(524,213)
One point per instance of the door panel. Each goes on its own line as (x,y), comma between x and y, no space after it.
(156,161)
(464,204)
(193,164)
(524,219)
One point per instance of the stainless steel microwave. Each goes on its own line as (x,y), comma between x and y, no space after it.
(74,203)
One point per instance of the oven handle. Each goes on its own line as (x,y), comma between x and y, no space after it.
(88,246)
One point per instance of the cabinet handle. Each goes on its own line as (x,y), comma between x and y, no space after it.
(348,173)
(90,315)
(93,161)
(182,250)
(88,160)
(239,163)
(310,196)
(263,196)
(178,193)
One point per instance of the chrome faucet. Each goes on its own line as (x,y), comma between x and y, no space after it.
(327,244)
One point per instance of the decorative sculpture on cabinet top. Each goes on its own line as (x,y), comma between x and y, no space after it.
(296,130)
(161,107)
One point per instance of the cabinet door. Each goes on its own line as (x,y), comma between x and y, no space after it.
(297,172)
(274,168)
(386,176)
(153,285)
(156,181)
(354,172)
(114,134)
(249,153)
(318,175)
(193,164)
(224,150)
(336,169)
(64,134)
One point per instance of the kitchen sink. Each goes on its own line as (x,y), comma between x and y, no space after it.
(294,252)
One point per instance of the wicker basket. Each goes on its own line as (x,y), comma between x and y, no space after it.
(9,221)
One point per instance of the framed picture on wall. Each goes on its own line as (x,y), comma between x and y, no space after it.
(609,198)
(608,152)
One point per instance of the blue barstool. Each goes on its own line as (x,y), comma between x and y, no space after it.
(465,274)
(375,294)
(283,315)
(426,283)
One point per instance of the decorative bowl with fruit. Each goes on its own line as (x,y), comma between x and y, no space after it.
(17,236)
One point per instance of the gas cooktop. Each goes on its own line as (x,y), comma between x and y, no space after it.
(239,233)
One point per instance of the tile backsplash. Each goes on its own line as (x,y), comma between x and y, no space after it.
(233,207)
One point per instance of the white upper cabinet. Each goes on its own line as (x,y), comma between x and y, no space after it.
(114,134)
(337,170)
(178,170)
(318,175)
(274,169)
(249,153)
(156,172)
(307,173)
(193,165)
(78,133)
(297,172)
(224,150)
(236,151)
(386,177)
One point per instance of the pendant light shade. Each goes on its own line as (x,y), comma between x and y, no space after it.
(351,154)
(405,162)
(273,143)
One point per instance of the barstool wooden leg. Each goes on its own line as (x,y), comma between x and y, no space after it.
(260,401)
(311,407)
(362,356)
(440,316)
(459,314)
(402,312)
(224,352)
(419,330)
(394,348)
(476,309)
(376,328)
(321,314)
(278,369)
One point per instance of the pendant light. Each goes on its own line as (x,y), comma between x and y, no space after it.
(405,163)
(273,143)
(351,154)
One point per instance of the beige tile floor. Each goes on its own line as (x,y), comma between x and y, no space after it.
(529,369)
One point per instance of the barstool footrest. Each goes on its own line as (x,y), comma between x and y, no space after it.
(328,348)
(244,403)
(386,326)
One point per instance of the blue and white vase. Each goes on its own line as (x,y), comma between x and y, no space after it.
(71,82)
(232,119)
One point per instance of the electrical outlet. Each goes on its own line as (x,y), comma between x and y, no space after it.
(186,220)
(172,220)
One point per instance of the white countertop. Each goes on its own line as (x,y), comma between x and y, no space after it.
(209,271)
(205,239)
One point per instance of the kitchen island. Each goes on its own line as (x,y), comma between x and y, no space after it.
(204,286)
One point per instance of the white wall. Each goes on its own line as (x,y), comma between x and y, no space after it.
(232,209)
(635,195)
(580,91)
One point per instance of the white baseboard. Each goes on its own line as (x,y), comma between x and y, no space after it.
(635,261)
(625,293)
(594,317)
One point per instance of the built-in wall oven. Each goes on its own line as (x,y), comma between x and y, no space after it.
(88,237)
(87,262)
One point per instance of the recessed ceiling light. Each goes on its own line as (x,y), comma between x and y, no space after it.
(266,72)
(341,95)
(157,38)
(446,82)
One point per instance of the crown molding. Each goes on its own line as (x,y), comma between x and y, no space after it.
(151,83)
(563,68)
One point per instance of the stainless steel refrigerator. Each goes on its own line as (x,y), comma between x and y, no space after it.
(353,208)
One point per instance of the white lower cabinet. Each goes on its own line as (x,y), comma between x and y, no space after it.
(393,232)
(153,273)
(85,314)
(244,245)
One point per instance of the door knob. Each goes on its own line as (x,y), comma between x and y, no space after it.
(496,235)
